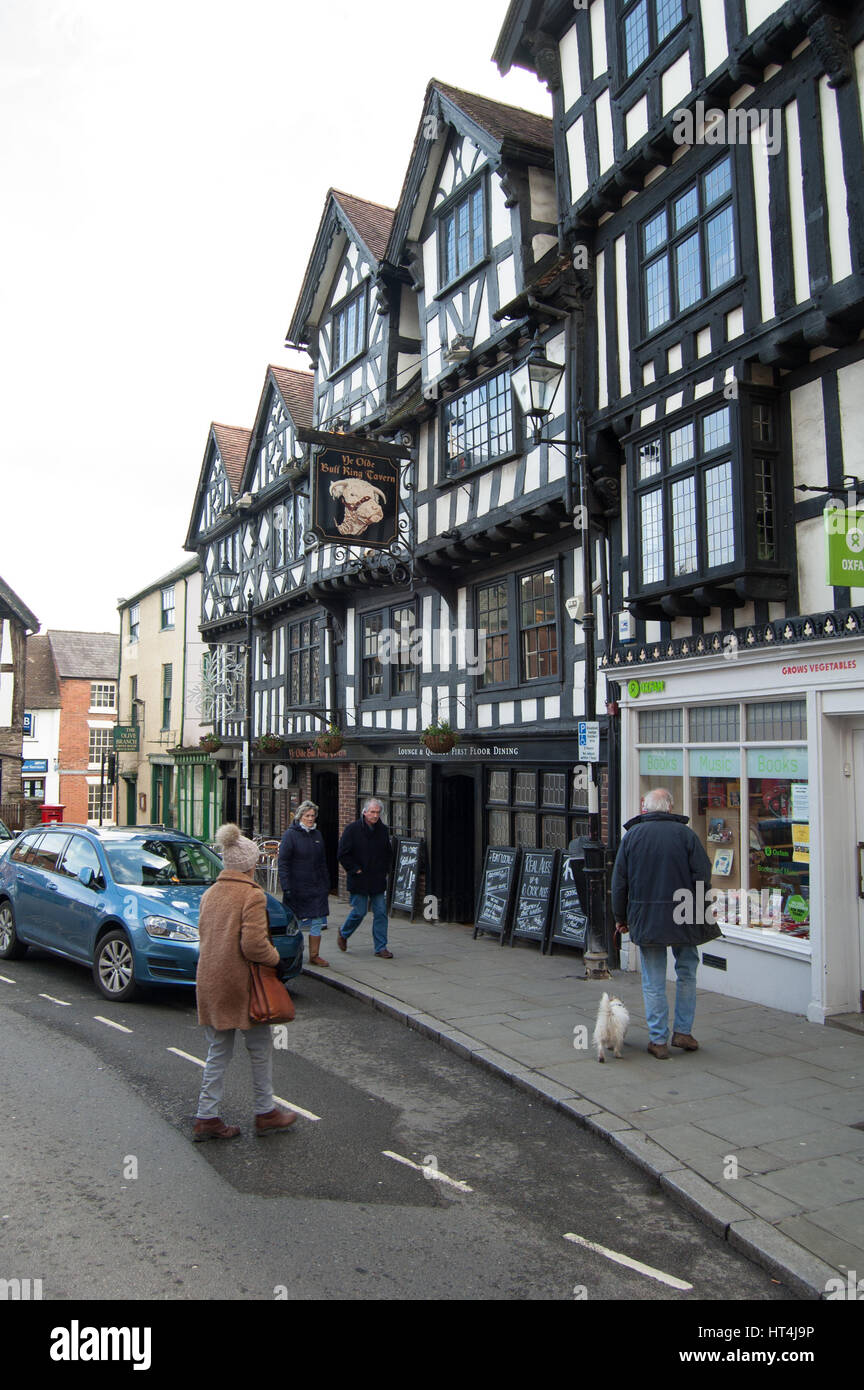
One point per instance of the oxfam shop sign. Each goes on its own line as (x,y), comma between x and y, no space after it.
(844,545)
(637,688)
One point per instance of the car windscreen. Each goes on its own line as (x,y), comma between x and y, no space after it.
(155,862)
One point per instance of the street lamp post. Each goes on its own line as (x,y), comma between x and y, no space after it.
(536,382)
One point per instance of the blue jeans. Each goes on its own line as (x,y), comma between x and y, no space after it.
(360,904)
(654,989)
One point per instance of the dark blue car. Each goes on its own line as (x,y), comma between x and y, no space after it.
(124,902)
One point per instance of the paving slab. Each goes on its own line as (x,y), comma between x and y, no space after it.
(769,1089)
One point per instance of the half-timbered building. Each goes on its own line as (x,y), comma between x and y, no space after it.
(709,166)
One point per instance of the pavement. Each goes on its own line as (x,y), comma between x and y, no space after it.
(760,1133)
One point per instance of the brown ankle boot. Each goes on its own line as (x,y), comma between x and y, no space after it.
(314,946)
(274,1122)
(213,1129)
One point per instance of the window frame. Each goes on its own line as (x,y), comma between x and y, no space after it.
(166,693)
(338,313)
(288,554)
(673,240)
(626,9)
(741,452)
(389,693)
(516,678)
(464,195)
(97,703)
(448,474)
(168,609)
(315,640)
(134,621)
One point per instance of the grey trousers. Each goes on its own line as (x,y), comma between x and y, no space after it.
(259,1045)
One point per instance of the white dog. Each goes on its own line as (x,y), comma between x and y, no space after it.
(611,1026)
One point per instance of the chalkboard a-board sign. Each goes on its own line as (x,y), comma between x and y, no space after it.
(534,895)
(497,885)
(409,862)
(570,921)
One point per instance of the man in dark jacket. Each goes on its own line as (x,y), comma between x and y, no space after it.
(659,885)
(364,853)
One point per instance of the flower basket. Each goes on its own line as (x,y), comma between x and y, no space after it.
(330,742)
(439,738)
(269,743)
(211,743)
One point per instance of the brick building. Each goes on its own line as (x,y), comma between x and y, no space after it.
(86,664)
(16,621)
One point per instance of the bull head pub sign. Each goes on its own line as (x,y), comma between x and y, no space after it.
(355,498)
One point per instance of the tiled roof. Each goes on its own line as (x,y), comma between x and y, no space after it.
(83,655)
(42,692)
(10,601)
(297,390)
(502,122)
(233,445)
(371,221)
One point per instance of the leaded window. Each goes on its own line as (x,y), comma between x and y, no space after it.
(388,653)
(685,499)
(462,234)
(714,724)
(687,247)
(492,621)
(777,720)
(304,662)
(647,24)
(349,329)
(478,426)
(288,527)
(538,626)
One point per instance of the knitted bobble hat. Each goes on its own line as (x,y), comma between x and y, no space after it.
(237,852)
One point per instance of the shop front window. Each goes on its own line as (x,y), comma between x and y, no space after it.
(746,794)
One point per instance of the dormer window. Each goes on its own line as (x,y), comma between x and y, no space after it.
(646,24)
(349,329)
(462,234)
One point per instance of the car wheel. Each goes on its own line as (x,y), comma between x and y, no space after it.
(114,968)
(10,947)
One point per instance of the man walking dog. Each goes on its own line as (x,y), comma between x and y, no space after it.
(655,895)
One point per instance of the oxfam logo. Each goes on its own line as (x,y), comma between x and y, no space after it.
(633,690)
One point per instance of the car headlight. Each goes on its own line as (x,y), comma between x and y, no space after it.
(168,928)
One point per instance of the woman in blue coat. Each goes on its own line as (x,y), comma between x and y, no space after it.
(304,876)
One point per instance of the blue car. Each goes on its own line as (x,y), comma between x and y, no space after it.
(124,902)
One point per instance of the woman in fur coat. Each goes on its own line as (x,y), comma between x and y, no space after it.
(232,927)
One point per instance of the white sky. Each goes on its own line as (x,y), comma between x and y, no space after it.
(163,168)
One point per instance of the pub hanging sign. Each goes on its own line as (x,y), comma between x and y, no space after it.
(355,498)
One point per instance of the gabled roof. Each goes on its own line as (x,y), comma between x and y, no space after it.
(366,224)
(501,131)
(513,48)
(297,390)
(233,446)
(85,655)
(12,607)
(42,691)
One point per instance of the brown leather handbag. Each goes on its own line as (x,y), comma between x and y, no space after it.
(269,1000)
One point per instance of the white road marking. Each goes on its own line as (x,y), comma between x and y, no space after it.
(298,1110)
(64,1002)
(289,1105)
(6,980)
(111,1024)
(188,1055)
(433,1174)
(630,1264)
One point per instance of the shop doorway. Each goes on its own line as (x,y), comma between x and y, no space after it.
(453,843)
(325,794)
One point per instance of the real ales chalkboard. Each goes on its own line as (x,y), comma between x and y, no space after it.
(534,895)
(497,885)
(570,921)
(409,861)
